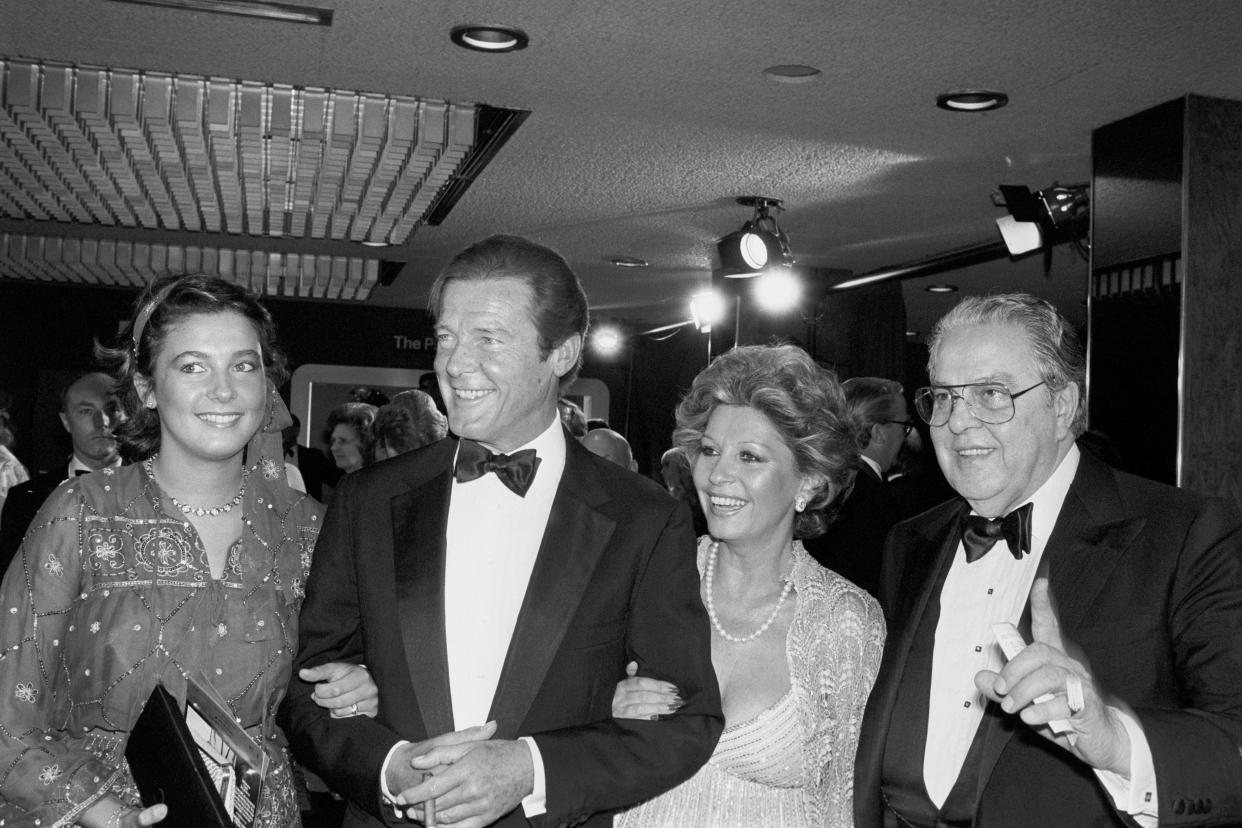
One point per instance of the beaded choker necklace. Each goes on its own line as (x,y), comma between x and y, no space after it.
(198,511)
(709,577)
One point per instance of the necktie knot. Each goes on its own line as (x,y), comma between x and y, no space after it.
(980,534)
(516,471)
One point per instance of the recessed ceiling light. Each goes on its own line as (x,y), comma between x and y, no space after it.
(912,333)
(629,261)
(370,243)
(791,73)
(485,38)
(971,100)
(941,288)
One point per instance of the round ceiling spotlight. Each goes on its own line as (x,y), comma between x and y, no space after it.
(971,100)
(791,73)
(941,288)
(760,242)
(607,340)
(628,261)
(484,38)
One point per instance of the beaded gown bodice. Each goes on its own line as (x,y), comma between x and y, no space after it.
(792,765)
(111,592)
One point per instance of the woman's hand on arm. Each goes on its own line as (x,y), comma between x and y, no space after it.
(643,698)
(343,689)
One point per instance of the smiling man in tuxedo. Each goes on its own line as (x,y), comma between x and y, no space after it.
(1126,708)
(496,586)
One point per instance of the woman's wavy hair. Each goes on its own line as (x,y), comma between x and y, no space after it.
(360,416)
(805,404)
(165,303)
(409,422)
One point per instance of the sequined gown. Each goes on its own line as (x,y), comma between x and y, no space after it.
(792,765)
(110,592)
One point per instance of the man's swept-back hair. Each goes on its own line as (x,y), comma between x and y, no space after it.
(558,303)
(1054,343)
(873,400)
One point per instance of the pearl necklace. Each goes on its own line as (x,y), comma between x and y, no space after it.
(198,511)
(710,575)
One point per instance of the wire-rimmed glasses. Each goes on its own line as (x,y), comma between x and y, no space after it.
(905,424)
(988,402)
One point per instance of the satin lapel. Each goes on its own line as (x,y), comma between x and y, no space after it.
(419,520)
(1091,534)
(929,553)
(573,542)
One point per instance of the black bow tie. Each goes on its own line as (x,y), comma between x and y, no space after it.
(980,534)
(516,471)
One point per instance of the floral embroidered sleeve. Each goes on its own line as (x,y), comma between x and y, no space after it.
(41,771)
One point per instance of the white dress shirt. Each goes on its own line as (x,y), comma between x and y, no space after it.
(996,588)
(492,541)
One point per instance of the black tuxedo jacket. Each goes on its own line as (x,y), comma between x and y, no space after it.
(1147,580)
(854,543)
(20,508)
(614,581)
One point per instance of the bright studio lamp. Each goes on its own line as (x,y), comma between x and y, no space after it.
(1055,214)
(758,244)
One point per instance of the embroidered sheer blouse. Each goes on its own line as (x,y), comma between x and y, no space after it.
(110,593)
(792,765)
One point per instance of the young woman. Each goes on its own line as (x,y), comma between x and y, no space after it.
(190,562)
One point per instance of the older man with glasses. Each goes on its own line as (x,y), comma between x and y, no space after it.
(855,538)
(1126,708)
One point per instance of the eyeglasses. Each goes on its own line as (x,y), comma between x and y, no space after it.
(905,424)
(988,402)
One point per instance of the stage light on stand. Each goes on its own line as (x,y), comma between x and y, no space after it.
(777,290)
(707,308)
(759,243)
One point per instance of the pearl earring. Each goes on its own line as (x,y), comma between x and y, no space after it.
(799,503)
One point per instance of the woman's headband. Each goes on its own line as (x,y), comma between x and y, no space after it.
(144,315)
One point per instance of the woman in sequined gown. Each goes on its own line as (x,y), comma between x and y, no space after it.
(795,646)
(191,562)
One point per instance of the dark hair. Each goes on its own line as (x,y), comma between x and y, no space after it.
(872,400)
(410,421)
(558,304)
(359,416)
(1055,348)
(166,302)
(804,403)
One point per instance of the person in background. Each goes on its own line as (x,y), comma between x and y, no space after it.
(12,472)
(795,646)
(611,446)
(678,480)
(489,580)
(1125,707)
(88,410)
(410,421)
(190,561)
(348,435)
(852,545)
(573,418)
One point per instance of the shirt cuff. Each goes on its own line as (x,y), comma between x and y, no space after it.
(536,802)
(1137,794)
(390,799)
